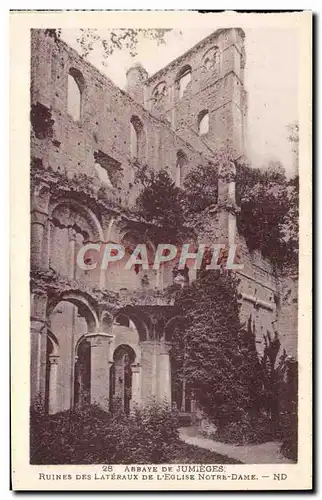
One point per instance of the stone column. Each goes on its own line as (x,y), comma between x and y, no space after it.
(38,222)
(39,217)
(100,376)
(136,385)
(224,213)
(38,330)
(47,244)
(53,360)
(149,373)
(164,374)
(71,253)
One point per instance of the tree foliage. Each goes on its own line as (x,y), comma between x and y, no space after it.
(161,203)
(268,217)
(89,435)
(117,39)
(210,350)
(268,203)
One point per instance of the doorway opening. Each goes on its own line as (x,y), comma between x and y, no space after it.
(121,379)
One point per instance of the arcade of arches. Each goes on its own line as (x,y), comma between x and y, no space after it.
(84,349)
(81,357)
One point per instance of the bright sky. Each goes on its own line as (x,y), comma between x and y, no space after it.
(271,79)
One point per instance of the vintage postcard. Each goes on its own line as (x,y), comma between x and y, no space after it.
(161,250)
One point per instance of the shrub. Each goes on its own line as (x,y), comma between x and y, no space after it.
(90,435)
(248,430)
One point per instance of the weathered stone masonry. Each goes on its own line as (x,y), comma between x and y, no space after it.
(104,336)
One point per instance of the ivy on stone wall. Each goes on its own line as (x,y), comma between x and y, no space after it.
(209,350)
(267,216)
(250,397)
(161,203)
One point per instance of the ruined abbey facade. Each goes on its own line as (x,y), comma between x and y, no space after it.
(102,335)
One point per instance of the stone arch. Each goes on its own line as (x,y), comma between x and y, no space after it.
(54,342)
(84,304)
(71,225)
(169,327)
(140,319)
(83,211)
(159,92)
(122,348)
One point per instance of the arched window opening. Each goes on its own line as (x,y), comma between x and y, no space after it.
(51,373)
(159,92)
(74,93)
(211,59)
(49,351)
(203,122)
(108,170)
(82,387)
(183,79)
(137,138)
(103,175)
(121,378)
(181,163)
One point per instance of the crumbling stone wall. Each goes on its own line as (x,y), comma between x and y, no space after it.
(99,141)
(217,85)
(106,113)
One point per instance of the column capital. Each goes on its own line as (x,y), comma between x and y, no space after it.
(165,347)
(53,359)
(71,234)
(135,367)
(39,305)
(37,325)
(97,338)
(38,217)
(41,196)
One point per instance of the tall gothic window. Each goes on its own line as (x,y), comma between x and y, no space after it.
(181,163)
(74,93)
(138,140)
(183,79)
(203,122)
(211,60)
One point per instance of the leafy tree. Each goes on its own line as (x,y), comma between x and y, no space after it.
(201,187)
(264,204)
(268,202)
(113,40)
(211,352)
(161,203)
